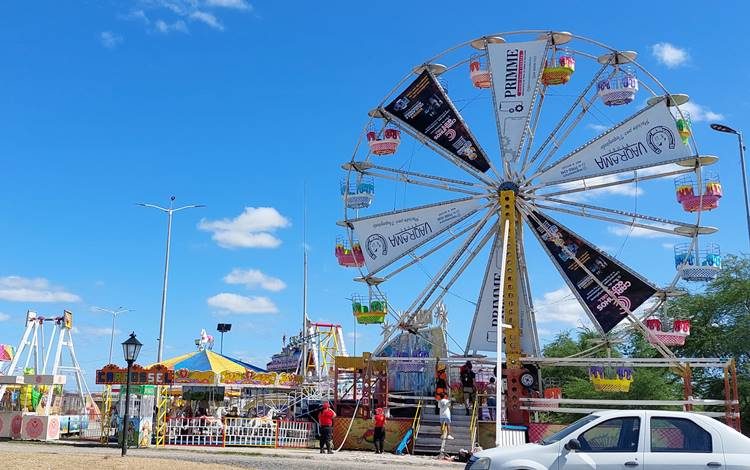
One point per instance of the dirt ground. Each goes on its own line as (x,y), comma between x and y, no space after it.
(27,461)
(62,455)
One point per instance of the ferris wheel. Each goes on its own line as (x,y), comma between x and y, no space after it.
(572,122)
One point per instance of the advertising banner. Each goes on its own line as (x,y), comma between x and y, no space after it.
(156,375)
(630,289)
(649,138)
(483,334)
(515,69)
(386,238)
(425,108)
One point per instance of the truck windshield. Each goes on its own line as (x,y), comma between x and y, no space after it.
(576,425)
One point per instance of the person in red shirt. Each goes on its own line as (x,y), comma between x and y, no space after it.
(379,433)
(325,418)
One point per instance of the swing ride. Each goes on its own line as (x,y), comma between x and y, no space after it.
(35,377)
(544,91)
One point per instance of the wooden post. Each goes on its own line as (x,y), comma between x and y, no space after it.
(687,382)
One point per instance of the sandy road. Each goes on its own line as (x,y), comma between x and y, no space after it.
(66,456)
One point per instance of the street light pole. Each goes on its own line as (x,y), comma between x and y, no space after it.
(114,314)
(729,130)
(169,211)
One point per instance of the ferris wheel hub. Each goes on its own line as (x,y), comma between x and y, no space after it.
(509,186)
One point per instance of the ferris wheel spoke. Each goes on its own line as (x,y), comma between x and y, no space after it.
(472,254)
(582,212)
(528,315)
(390,236)
(552,137)
(411,177)
(435,282)
(532,131)
(416,258)
(647,139)
(585,184)
(631,215)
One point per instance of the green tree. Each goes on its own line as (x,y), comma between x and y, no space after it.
(720,327)
(720,319)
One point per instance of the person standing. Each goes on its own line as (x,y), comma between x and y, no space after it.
(467,382)
(325,418)
(441,384)
(445,416)
(492,398)
(379,432)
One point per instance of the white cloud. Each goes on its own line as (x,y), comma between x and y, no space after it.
(597,127)
(624,231)
(21,289)
(559,306)
(668,246)
(233,4)
(242,304)
(4,316)
(251,229)
(252,278)
(173,15)
(670,55)
(110,40)
(207,18)
(136,15)
(166,28)
(353,335)
(700,113)
(98,331)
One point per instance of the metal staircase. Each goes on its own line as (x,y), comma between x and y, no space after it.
(429,439)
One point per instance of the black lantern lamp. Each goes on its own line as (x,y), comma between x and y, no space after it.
(131,347)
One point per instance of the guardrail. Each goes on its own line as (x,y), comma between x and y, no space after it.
(238,432)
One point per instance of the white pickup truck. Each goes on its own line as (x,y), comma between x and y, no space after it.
(628,440)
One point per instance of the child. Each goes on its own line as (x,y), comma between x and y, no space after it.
(445,415)
(441,384)
(379,434)
(492,397)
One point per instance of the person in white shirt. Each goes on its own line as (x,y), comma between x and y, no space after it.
(492,398)
(445,415)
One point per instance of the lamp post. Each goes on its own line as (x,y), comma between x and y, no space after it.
(114,314)
(223,328)
(130,349)
(729,130)
(169,211)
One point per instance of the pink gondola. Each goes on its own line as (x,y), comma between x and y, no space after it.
(385,145)
(676,337)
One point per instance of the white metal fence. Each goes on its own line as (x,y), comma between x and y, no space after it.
(250,432)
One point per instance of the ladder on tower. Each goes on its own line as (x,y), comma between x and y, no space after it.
(106,417)
(162,397)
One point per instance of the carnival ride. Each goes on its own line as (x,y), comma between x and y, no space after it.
(545,90)
(38,407)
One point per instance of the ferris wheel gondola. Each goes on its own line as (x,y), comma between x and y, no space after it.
(539,177)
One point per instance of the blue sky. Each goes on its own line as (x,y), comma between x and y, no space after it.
(237,105)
